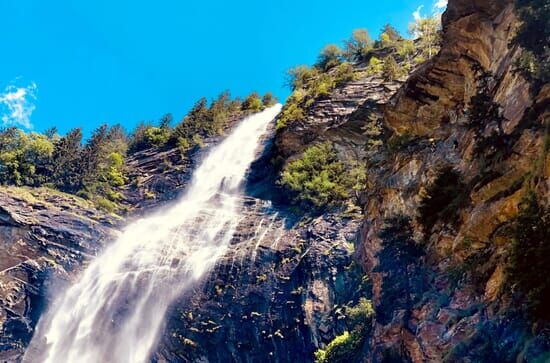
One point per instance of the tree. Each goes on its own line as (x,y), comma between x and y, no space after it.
(358,45)
(268,99)
(24,157)
(392,33)
(330,56)
(68,171)
(299,76)
(391,70)
(166,121)
(252,103)
(428,34)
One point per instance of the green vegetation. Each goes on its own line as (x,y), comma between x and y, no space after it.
(318,180)
(427,31)
(95,169)
(91,170)
(347,346)
(391,70)
(529,261)
(358,46)
(443,199)
(532,35)
(391,57)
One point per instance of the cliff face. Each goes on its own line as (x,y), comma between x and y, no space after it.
(462,309)
(45,237)
(280,291)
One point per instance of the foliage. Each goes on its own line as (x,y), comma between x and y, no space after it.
(95,169)
(347,346)
(253,103)
(358,45)
(391,70)
(532,35)
(427,31)
(529,262)
(299,76)
(309,84)
(269,100)
(335,67)
(330,56)
(375,66)
(318,179)
(443,199)
(23,157)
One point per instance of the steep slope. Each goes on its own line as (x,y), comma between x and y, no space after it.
(464,308)
(46,237)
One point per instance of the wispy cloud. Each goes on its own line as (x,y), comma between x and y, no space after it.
(17,105)
(440,5)
(416,14)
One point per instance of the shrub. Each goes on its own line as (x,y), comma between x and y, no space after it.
(375,66)
(293,112)
(391,70)
(343,74)
(156,136)
(330,56)
(339,349)
(106,205)
(318,179)
(443,199)
(252,103)
(347,346)
(298,77)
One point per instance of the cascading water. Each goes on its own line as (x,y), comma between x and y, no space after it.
(114,313)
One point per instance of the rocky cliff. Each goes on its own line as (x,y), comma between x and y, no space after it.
(46,237)
(451,155)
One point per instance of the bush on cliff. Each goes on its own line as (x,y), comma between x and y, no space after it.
(347,347)
(318,180)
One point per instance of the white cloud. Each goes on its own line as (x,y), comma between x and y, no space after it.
(416,14)
(440,5)
(17,105)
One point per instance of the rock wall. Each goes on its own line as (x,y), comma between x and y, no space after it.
(463,309)
(45,238)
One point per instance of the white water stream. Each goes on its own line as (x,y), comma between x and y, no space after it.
(115,311)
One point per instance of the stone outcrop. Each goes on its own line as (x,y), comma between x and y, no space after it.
(45,237)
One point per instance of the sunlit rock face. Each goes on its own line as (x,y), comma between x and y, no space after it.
(464,310)
(45,236)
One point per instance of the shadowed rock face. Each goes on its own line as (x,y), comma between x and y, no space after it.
(45,237)
(275,296)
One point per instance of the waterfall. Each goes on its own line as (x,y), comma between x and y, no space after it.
(115,311)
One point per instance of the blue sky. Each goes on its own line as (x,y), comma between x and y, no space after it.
(74,63)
